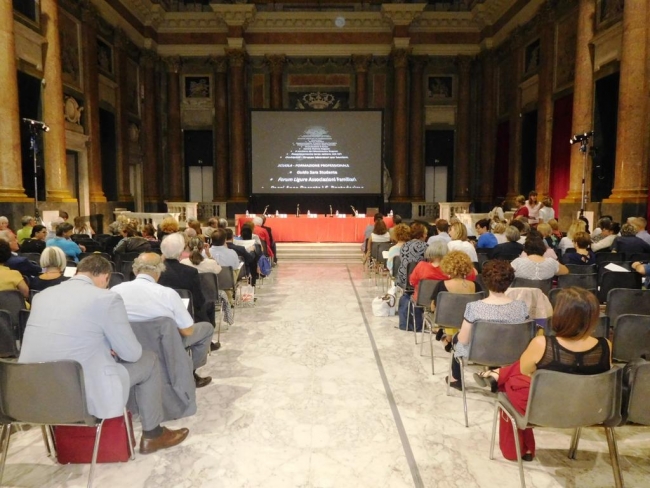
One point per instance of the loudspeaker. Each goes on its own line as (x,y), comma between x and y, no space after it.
(199,150)
(439,148)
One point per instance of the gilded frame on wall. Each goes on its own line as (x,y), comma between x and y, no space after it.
(531,55)
(71,65)
(608,12)
(440,88)
(105,59)
(197,87)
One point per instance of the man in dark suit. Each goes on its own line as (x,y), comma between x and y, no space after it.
(18,263)
(181,276)
(249,258)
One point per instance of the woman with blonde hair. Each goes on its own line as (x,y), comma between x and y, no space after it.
(522,209)
(499,230)
(459,242)
(197,259)
(401,234)
(53,262)
(575,227)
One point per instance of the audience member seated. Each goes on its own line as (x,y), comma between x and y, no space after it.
(508,249)
(81,226)
(555,229)
(36,242)
(28,222)
(192,223)
(429,269)
(411,252)
(547,234)
(498,275)
(213,224)
(81,320)
(534,266)
(459,242)
(546,212)
(583,255)
(369,229)
(401,234)
(640,225)
(533,207)
(10,279)
(131,241)
(168,226)
(608,232)
(221,253)
(263,234)
(521,208)
(486,240)
(498,230)
(572,350)
(496,214)
(397,219)
(4,224)
(149,233)
(53,262)
(442,226)
(567,242)
(247,239)
(249,258)
(628,242)
(197,260)
(522,227)
(270,232)
(548,252)
(179,276)
(19,263)
(71,249)
(144,299)
(460,279)
(379,234)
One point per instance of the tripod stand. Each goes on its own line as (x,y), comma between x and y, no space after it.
(35,126)
(583,139)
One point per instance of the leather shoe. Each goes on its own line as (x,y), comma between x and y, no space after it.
(169,438)
(201,382)
(215,346)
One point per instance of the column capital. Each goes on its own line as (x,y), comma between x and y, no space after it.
(220,63)
(174,64)
(401,13)
(400,57)
(89,14)
(236,57)
(276,62)
(361,62)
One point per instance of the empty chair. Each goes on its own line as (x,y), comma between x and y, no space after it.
(595,400)
(586,281)
(32,256)
(627,301)
(609,257)
(425,292)
(631,337)
(8,347)
(635,403)
(638,256)
(126,270)
(575,269)
(115,279)
(616,279)
(48,393)
(494,344)
(13,302)
(544,285)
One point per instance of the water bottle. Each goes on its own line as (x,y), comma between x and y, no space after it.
(308,212)
(247,214)
(277,214)
(337,213)
(390,214)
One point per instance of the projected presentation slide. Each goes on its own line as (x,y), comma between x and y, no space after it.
(314,152)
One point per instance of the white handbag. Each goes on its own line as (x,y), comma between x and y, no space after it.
(384,306)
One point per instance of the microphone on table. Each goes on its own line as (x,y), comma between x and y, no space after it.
(265,209)
(330,211)
(298,210)
(354,210)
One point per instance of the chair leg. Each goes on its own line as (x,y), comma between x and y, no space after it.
(518,449)
(5,436)
(613,454)
(431,348)
(93,462)
(129,433)
(449,377)
(494,428)
(462,384)
(415,328)
(575,438)
(46,440)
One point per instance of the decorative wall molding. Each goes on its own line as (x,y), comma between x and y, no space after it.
(235,14)
(402,13)
(29,45)
(319,21)
(607,46)
(318,49)
(190,22)
(446,21)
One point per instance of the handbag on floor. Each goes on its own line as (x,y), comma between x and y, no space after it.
(383,306)
(74,445)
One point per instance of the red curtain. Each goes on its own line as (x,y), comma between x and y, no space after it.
(561,150)
(501,160)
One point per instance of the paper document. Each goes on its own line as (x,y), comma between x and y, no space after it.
(186,302)
(616,267)
(69,271)
(384,254)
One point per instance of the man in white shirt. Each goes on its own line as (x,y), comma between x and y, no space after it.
(607,239)
(640,224)
(221,253)
(442,226)
(145,299)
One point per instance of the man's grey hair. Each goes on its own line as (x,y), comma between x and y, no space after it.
(4,219)
(258,221)
(5,235)
(140,265)
(512,233)
(437,249)
(26,220)
(223,223)
(172,246)
(213,222)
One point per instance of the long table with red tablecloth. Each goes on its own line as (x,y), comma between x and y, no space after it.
(316,229)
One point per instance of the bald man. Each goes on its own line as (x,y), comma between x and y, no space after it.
(145,299)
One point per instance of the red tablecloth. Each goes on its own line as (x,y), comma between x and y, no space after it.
(319,229)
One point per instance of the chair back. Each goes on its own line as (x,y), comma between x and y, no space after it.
(13,302)
(226,278)
(616,279)
(209,285)
(544,285)
(450,307)
(187,295)
(409,269)
(602,268)
(631,337)
(378,249)
(636,410)
(115,279)
(586,281)
(397,261)
(494,343)
(627,301)
(552,295)
(604,257)
(425,292)
(8,347)
(126,270)
(638,256)
(594,399)
(575,269)
(93,253)
(48,393)
(32,256)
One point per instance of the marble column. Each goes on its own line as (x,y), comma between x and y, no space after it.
(583,96)
(488,128)
(361,64)
(461,168)
(90,17)
(221,133)
(545,100)
(56,173)
(174,132)
(631,174)
(514,157)
(151,167)
(11,174)
(416,128)
(123,176)
(276,64)
(400,126)
(238,166)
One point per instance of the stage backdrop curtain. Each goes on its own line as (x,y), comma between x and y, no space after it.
(501,160)
(561,150)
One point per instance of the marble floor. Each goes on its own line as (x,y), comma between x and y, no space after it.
(311,390)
